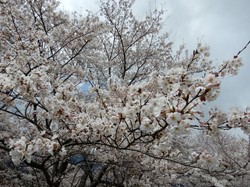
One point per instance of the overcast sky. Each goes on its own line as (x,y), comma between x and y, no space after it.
(222,24)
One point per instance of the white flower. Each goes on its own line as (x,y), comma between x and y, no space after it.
(55,136)
(114,119)
(16,157)
(211,80)
(184,124)
(200,89)
(173,118)
(157,111)
(148,125)
(63,151)
(80,127)
(165,146)
(130,111)
(214,126)
(156,105)
(28,157)
(21,142)
(206,159)
(175,87)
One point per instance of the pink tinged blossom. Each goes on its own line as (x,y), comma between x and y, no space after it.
(211,80)
(184,124)
(207,160)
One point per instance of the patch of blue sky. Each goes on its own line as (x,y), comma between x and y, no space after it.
(84,87)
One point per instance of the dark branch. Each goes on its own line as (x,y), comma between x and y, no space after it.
(236,56)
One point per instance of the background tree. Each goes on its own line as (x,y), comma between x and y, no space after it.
(131,128)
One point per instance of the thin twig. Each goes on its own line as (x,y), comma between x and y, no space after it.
(236,56)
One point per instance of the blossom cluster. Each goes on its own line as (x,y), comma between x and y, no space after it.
(142,105)
(23,149)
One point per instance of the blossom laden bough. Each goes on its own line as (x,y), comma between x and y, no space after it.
(131,127)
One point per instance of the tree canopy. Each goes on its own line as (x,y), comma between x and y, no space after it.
(134,125)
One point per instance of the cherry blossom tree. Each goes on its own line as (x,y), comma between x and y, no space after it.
(131,127)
